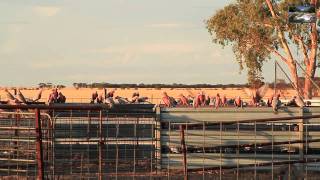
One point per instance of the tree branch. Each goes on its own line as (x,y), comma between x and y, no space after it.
(277,53)
(290,60)
(299,39)
(304,49)
(281,35)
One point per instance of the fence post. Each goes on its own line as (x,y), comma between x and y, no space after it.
(301,136)
(301,122)
(39,152)
(158,138)
(184,152)
(100,145)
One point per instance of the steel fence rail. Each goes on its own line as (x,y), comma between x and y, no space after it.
(87,141)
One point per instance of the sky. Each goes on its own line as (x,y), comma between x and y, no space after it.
(114,41)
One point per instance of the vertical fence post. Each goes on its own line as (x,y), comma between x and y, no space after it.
(135,146)
(39,153)
(238,148)
(289,153)
(220,148)
(70,144)
(16,133)
(117,148)
(203,150)
(255,150)
(184,152)
(302,140)
(272,150)
(305,165)
(301,136)
(158,139)
(53,144)
(100,145)
(169,156)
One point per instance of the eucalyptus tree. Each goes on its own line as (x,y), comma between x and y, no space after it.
(259,29)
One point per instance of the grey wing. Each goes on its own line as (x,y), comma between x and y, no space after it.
(38,96)
(262,91)
(9,95)
(299,101)
(143,100)
(123,100)
(21,98)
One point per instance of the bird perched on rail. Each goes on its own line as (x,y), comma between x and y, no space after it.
(20,99)
(300,102)
(256,94)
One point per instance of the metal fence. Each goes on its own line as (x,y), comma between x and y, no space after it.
(25,143)
(136,142)
(265,148)
(104,143)
(77,142)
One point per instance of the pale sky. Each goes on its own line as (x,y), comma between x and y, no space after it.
(115,41)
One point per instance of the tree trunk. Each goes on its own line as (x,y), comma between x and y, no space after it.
(294,75)
(310,62)
(307,92)
(311,66)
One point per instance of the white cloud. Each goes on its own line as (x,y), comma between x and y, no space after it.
(131,53)
(46,10)
(178,48)
(41,65)
(51,63)
(87,77)
(165,25)
(169,25)
(9,46)
(190,52)
(220,56)
(152,48)
(11,42)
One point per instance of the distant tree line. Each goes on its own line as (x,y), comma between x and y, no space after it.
(50,85)
(280,84)
(141,85)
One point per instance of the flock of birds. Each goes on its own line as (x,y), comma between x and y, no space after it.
(257,94)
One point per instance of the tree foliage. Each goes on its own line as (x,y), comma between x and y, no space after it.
(256,30)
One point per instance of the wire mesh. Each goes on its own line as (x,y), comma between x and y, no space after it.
(18,139)
(269,149)
(101,144)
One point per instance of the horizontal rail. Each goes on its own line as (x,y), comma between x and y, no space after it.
(57,106)
(251,145)
(193,125)
(13,150)
(33,139)
(253,165)
(14,170)
(98,140)
(137,174)
(16,128)
(17,160)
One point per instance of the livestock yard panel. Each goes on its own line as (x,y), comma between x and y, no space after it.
(240,138)
(146,142)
